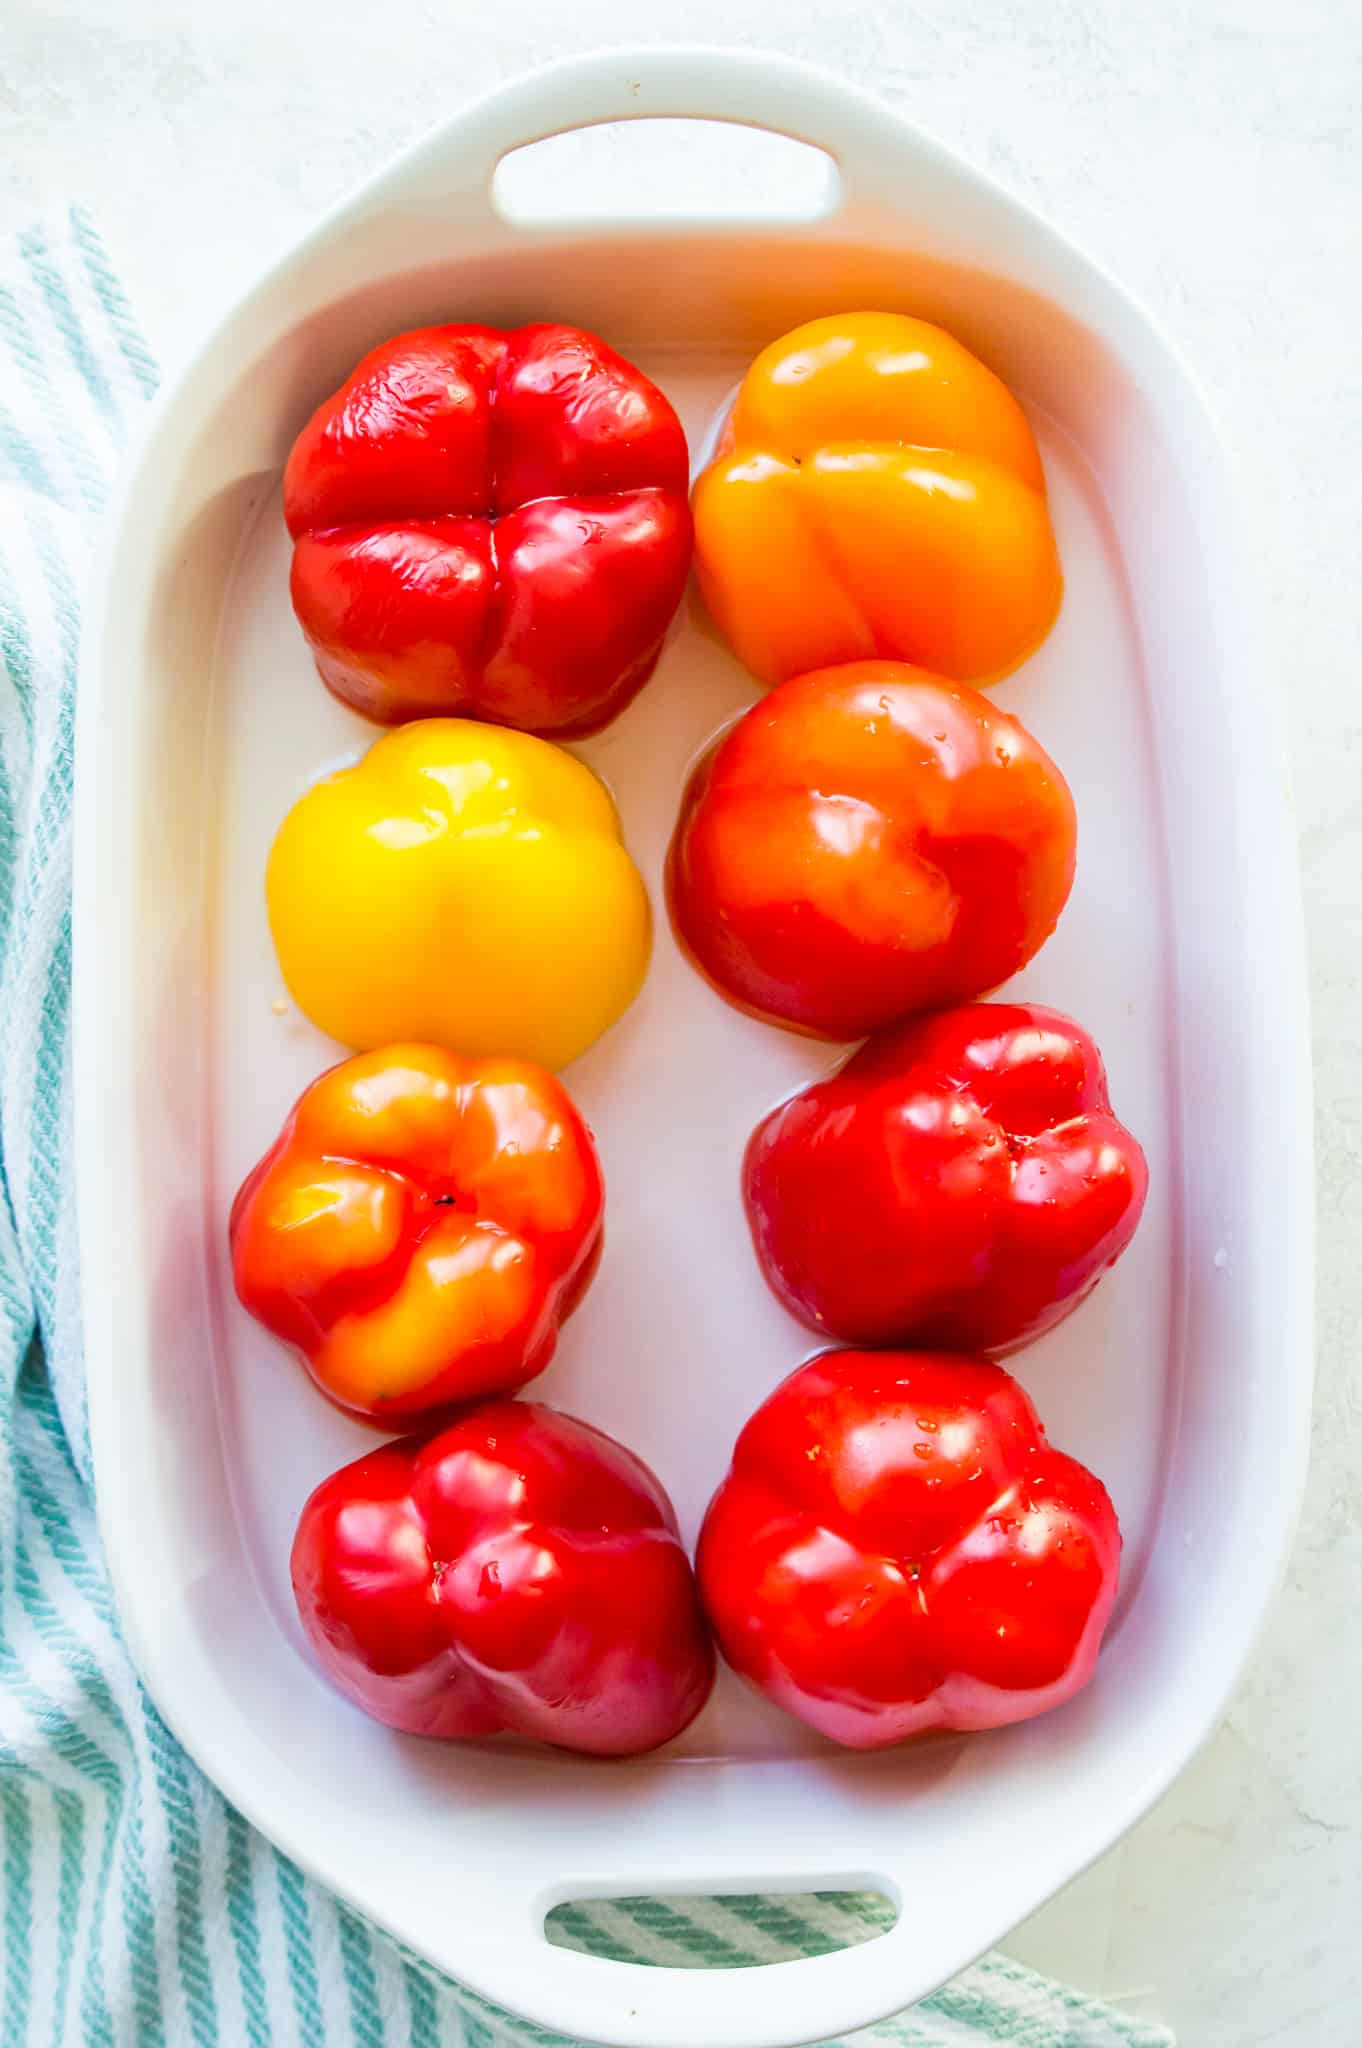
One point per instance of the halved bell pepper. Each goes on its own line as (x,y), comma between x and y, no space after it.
(877,494)
(522,1572)
(493,522)
(898,1548)
(463,885)
(421,1227)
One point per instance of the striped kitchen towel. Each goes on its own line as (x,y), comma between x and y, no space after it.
(138,1906)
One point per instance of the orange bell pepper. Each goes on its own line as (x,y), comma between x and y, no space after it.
(421,1227)
(877,494)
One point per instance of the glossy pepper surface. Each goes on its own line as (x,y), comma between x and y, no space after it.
(877,492)
(897,1548)
(491,522)
(869,841)
(960,1182)
(520,1572)
(421,1227)
(463,885)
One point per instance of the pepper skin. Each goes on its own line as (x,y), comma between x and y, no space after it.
(520,1572)
(464,885)
(961,1182)
(876,492)
(897,1549)
(865,842)
(421,1227)
(492,523)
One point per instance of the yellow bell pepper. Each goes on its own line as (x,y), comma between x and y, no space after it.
(463,885)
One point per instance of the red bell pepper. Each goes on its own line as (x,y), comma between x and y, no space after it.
(897,1548)
(520,1572)
(421,1227)
(867,842)
(961,1182)
(490,522)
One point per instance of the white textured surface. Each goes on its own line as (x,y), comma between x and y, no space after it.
(1210,156)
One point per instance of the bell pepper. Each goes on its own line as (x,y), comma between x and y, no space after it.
(491,522)
(897,1548)
(421,1227)
(464,885)
(876,492)
(865,842)
(960,1182)
(520,1572)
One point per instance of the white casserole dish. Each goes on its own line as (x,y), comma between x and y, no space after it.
(1184,1382)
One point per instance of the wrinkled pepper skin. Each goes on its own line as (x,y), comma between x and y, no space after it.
(493,523)
(897,1549)
(961,1183)
(877,492)
(520,1572)
(464,885)
(420,1228)
(866,842)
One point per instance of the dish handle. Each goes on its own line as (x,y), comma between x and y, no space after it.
(744,88)
(636,2005)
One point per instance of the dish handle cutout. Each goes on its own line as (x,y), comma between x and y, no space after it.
(729,1931)
(803,147)
(653,168)
(625,1975)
